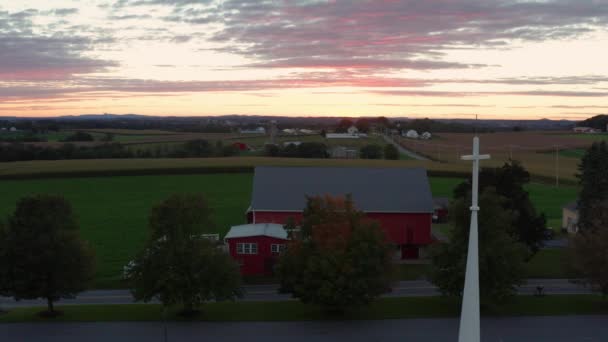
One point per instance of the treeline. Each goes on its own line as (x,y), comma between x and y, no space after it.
(320,150)
(597,122)
(199,125)
(303,150)
(190,149)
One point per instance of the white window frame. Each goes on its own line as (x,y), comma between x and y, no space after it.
(277,248)
(247,248)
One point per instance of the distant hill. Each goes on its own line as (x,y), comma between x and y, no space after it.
(597,122)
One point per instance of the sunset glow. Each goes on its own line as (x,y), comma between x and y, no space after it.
(507,59)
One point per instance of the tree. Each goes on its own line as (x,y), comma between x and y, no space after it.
(391,152)
(597,122)
(79,136)
(589,250)
(42,254)
(271,150)
(177,265)
(593,179)
(371,151)
(508,181)
(501,257)
(340,260)
(362,125)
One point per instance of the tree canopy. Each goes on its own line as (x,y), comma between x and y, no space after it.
(391,152)
(371,151)
(340,260)
(501,257)
(41,252)
(508,181)
(178,265)
(589,249)
(593,178)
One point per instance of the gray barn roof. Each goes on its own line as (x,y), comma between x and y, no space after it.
(394,190)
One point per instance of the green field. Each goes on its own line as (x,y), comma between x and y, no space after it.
(113,211)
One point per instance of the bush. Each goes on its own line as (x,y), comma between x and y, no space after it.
(391,152)
(371,151)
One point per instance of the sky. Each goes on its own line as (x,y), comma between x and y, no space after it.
(500,59)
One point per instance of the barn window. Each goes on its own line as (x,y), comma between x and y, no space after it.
(276,248)
(246,248)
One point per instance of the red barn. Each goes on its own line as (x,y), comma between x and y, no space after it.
(398,198)
(256,247)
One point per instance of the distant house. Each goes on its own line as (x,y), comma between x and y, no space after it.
(258,130)
(425,136)
(306,131)
(570,217)
(341,152)
(289,131)
(352,130)
(256,247)
(412,134)
(398,198)
(440,207)
(13,129)
(295,143)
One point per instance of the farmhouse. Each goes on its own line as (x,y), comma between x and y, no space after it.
(256,247)
(570,217)
(398,198)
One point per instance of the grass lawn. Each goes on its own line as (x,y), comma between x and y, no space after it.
(547,263)
(385,308)
(411,271)
(113,211)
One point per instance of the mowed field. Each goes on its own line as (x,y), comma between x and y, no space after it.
(113,211)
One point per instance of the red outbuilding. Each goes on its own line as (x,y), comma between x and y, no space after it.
(256,247)
(241,146)
(398,198)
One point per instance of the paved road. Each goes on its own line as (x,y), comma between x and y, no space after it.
(520,329)
(414,288)
(403,150)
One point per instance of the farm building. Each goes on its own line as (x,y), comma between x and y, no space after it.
(258,130)
(570,217)
(425,136)
(352,130)
(241,146)
(412,134)
(256,247)
(586,130)
(341,136)
(398,198)
(440,207)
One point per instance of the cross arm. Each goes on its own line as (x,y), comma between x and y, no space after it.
(477,157)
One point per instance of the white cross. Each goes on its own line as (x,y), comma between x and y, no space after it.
(469,316)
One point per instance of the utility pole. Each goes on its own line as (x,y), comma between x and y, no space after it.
(557,165)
